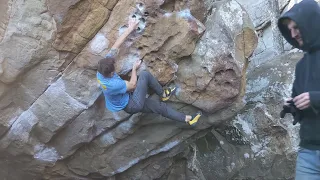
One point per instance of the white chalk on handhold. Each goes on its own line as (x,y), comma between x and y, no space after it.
(126,126)
(168,14)
(122,29)
(108,139)
(246,155)
(116,116)
(99,43)
(178,90)
(47,154)
(135,16)
(141,7)
(129,59)
(142,24)
(165,148)
(185,13)
(127,165)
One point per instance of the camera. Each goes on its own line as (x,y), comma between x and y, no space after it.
(291,109)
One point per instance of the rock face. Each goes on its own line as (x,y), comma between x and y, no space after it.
(54,124)
(80,23)
(257,143)
(258,10)
(4,16)
(213,76)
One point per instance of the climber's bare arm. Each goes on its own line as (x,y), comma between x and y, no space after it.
(131,85)
(133,24)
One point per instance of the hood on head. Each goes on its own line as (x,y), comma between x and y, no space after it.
(306,15)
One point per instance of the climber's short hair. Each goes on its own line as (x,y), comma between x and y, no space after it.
(106,66)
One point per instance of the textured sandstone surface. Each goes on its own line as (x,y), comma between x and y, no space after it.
(215,74)
(54,124)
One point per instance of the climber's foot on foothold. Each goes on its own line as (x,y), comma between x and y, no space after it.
(194,119)
(167,93)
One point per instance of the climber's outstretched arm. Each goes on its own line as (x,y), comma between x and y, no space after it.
(133,24)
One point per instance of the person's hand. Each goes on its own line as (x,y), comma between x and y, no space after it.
(136,65)
(302,101)
(133,23)
(286,101)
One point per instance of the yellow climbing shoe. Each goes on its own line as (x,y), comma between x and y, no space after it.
(168,92)
(195,118)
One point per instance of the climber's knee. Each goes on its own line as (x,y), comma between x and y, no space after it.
(144,73)
(138,108)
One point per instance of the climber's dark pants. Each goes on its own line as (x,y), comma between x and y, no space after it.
(139,103)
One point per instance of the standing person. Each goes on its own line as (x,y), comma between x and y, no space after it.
(300,26)
(130,96)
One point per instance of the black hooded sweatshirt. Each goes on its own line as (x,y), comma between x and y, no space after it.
(306,15)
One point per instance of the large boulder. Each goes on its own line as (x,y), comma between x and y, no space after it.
(54,124)
(214,77)
(257,143)
(26,44)
(23,46)
(27,40)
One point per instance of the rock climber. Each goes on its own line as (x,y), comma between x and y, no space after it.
(300,26)
(130,96)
